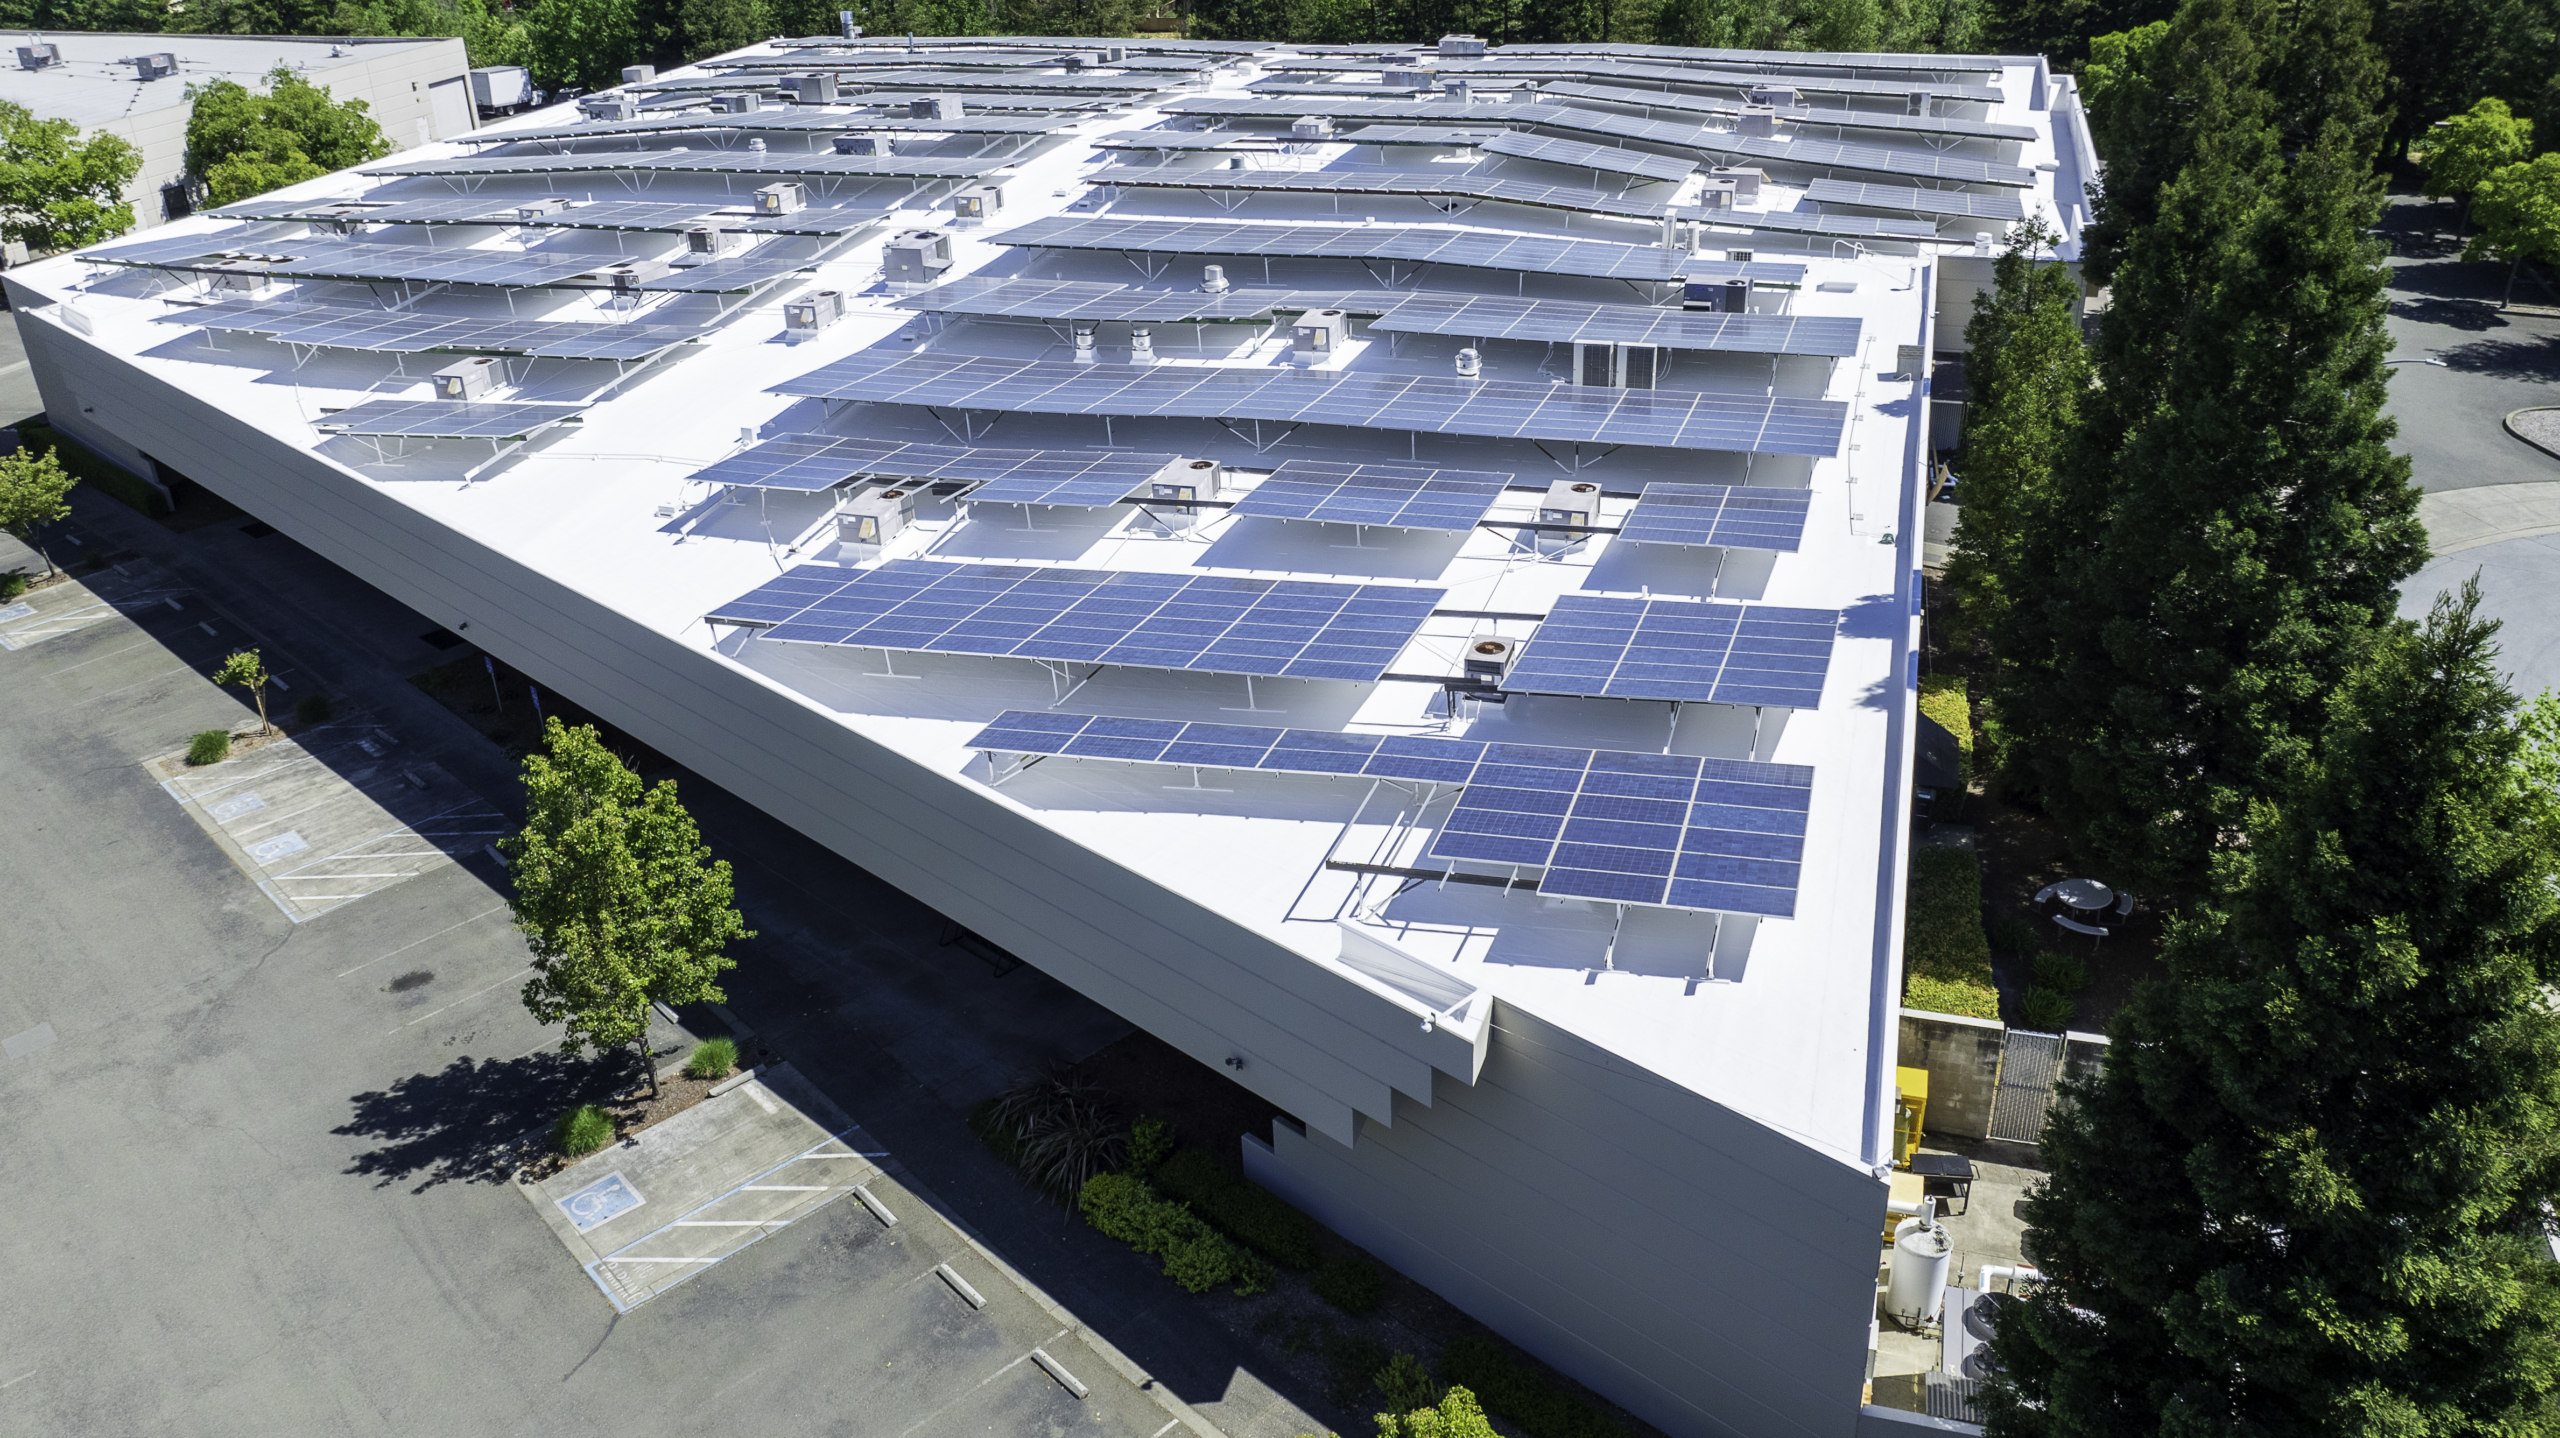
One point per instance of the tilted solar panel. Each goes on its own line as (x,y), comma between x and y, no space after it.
(1774,59)
(1680,650)
(1215,624)
(447,419)
(409,332)
(1567,321)
(1089,300)
(1432,244)
(1396,496)
(1720,515)
(1551,150)
(1422,183)
(1671,419)
(1913,200)
(1817,154)
(812,462)
(1823,119)
(1808,222)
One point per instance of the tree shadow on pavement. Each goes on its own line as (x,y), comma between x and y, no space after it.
(2535,360)
(474,1122)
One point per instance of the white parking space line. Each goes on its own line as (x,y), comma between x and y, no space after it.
(466,998)
(413,943)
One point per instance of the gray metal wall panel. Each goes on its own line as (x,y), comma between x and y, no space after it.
(1709,1273)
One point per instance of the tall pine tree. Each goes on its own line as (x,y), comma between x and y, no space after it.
(2229,526)
(2308,1194)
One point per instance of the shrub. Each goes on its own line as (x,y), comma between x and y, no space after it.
(1406,1384)
(1064,1131)
(1946,960)
(2063,973)
(1509,1388)
(2046,1010)
(2014,935)
(1354,1285)
(1942,697)
(312,709)
(1244,1210)
(712,1058)
(1455,1416)
(13,584)
(1151,1142)
(1129,1209)
(1946,996)
(582,1130)
(1351,1362)
(210,747)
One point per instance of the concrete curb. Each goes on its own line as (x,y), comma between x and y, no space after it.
(2509,424)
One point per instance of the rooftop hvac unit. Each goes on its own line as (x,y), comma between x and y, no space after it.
(1213,280)
(1317,335)
(536,209)
(1461,47)
(1916,103)
(1756,122)
(709,240)
(934,107)
(629,276)
(1717,194)
(816,88)
(1407,79)
(1087,349)
(1717,296)
(811,313)
(867,142)
(1747,179)
(1311,127)
(1470,364)
(639,74)
(977,204)
(1781,96)
(610,107)
(1569,502)
(786,197)
(1489,658)
(1607,366)
(1169,506)
(738,102)
(1114,54)
(154,65)
(501,87)
(468,379)
(37,57)
(916,257)
(1908,361)
(1454,89)
(1142,345)
(241,281)
(870,519)
(1739,257)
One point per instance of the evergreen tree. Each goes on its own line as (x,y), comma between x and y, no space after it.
(2026,372)
(2308,1193)
(584,42)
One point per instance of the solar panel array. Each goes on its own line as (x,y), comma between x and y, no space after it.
(1215,624)
(1776,59)
(1430,404)
(1712,834)
(411,332)
(1829,119)
(1569,321)
(1719,515)
(813,462)
(1809,84)
(1809,222)
(1817,154)
(447,419)
(1666,830)
(1419,183)
(1397,496)
(1613,158)
(1419,244)
(718,162)
(341,260)
(1918,201)
(1443,135)
(1680,650)
(1102,300)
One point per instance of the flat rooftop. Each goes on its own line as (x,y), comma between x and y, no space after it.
(1765,1006)
(97,83)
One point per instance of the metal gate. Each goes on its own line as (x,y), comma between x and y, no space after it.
(2030,1064)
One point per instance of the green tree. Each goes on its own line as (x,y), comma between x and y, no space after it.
(2519,213)
(2026,371)
(2308,1194)
(712,27)
(1457,1416)
(617,896)
(242,143)
(248,671)
(32,487)
(2470,147)
(2114,61)
(59,192)
(581,42)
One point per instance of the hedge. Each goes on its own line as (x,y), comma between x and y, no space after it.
(1129,1209)
(1946,959)
(1942,697)
(1242,1209)
(1509,1388)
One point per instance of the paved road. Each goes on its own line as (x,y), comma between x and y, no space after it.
(249,1163)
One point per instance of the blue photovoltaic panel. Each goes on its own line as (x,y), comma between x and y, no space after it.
(1661,829)
(1398,496)
(1913,200)
(1727,516)
(1506,317)
(1088,300)
(1612,158)
(1828,119)
(446,419)
(1818,154)
(1422,244)
(1216,624)
(1358,181)
(812,462)
(410,332)
(1670,830)
(1664,418)
(1680,650)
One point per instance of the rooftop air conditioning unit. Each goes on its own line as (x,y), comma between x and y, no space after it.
(1717,195)
(238,281)
(934,107)
(631,275)
(1489,658)
(1747,179)
(867,142)
(1113,55)
(1461,47)
(469,379)
(154,65)
(610,107)
(870,519)
(1756,122)
(1169,507)
(639,74)
(1213,280)
(811,313)
(1402,78)
(815,88)
(1311,127)
(1614,366)
(1318,336)
(1916,103)
(977,204)
(1782,96)
(535,209)
(786,197)
(737,102)
(37,57)
(1739,257)
(1454,89)
(1573,503)
(1719,296)
(709,240)
(916,257)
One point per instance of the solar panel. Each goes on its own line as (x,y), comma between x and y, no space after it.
(1215,624)
(409,332)
(1719,515)
(1089,300)
(1817,154)
(1714,834)
(1397,496)
(1668,830)
(813,462)
(1680,650)
(1150,141)
(1422,244)
(1917,201)
(1776,59)
(729,277)
(1426,183)
(1828,119)
(1550,150)
(163,250)
(1426,135)
(1349,107)
(1078,105)
(1807,222)
(1432,404)
(1809,84)
(447,419)
(1570,321)
(721,162)
(332,259)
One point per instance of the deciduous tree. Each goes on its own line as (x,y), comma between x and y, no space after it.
(2518,209)
(2467,149)
(248,671)
(616,895)
(57,191)
(2309,1193)
(242,143)
(32,487)
(582,42)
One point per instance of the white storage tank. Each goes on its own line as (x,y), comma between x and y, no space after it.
(1922,1252)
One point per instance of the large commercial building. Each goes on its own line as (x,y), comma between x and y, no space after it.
(1395,573)
(135,86)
